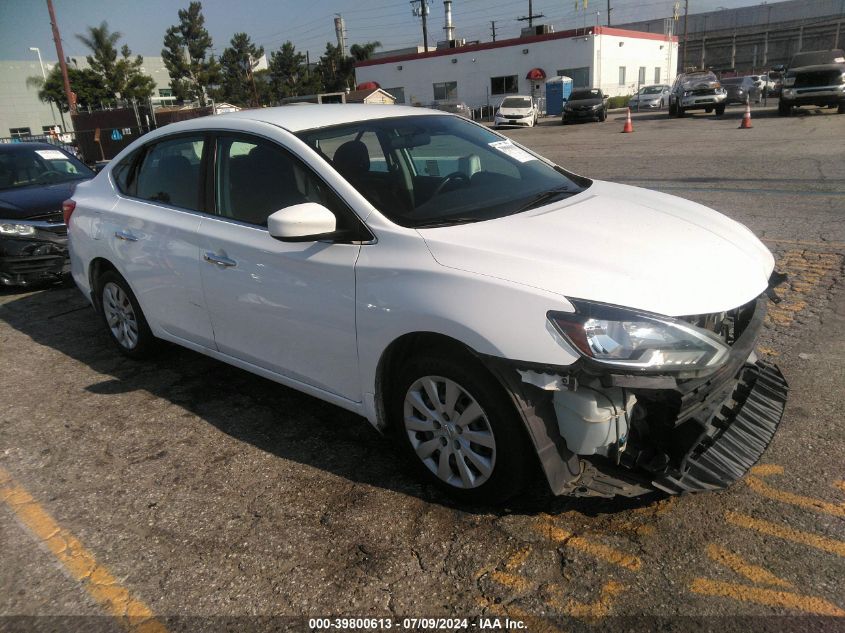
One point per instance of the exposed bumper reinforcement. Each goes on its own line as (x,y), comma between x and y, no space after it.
(718,461)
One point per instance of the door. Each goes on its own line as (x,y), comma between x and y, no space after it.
(285,307)
(152,232)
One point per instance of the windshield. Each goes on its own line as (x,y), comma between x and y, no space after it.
(432,170)
(516,102)
(732,81)
(651,90)
(28,166)
(577,95)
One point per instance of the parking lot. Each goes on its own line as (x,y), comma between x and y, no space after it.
(185,494)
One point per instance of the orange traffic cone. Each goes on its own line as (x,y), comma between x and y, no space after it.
(629,126)
(746,118)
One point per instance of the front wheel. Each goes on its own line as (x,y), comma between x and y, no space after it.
(126,324)
(720,110)
(784,109)
(841,109)
(456,423)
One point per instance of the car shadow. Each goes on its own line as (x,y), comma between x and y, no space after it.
(273,418)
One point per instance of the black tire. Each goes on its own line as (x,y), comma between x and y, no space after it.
(708,110)
(679,111)
(841,109)
(673,110)
(513,461)
(147,344)
(784,109)
(720,110)
(603,116)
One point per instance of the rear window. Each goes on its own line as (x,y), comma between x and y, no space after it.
(170,172)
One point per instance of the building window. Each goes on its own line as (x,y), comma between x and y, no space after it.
(397,93)
(20,132)
(641,76)
(504,85)
(48,129)
(621,75)
(580,76)
(657,75)
(446,91)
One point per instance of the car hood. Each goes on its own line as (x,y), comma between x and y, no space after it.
(515,111)
(616,244)
(585,102)
(27,202)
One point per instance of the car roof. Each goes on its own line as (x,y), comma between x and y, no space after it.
(25,145)
(308,116)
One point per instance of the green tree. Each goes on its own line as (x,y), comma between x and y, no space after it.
(87,85)
(119,72)
(186,55)
(336,71)
(237,65)
(287,72)
(361,52)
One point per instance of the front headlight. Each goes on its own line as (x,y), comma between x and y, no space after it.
(10,228)
(636,341)
(788,81)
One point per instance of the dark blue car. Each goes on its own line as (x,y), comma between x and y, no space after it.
(35,178)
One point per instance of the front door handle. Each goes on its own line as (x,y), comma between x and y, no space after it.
(223,262)
(126,236)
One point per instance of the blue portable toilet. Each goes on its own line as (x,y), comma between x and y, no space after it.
(558,90)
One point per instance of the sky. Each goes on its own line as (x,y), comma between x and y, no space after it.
(308,23)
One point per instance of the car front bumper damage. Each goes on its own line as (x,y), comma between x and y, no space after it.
(644,433)
(26,260)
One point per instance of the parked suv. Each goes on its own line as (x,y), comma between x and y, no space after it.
(697,91)
(814,78)
(464,299)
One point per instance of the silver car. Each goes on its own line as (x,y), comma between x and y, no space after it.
(650,98)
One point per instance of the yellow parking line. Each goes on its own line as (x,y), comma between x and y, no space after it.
(787,533)
(131,613)
(764,470)
(733,561)
(593,610)
(597,550)
(840,485)
(767,597)
(763,489)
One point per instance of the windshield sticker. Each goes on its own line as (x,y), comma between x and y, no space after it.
(50,154)
(506,147)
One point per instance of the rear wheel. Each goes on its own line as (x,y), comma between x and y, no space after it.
(125,323)
(455,422)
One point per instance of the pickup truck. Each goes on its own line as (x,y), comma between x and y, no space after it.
(814,78)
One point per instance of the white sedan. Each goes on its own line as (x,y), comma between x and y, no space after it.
(496,313)
(516,111)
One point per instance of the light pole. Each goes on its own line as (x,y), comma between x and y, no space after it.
(44,76)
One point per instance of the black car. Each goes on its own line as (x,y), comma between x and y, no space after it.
(588,104)
(35,178)
(736,90)
(815,78)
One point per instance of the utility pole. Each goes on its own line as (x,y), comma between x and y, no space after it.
(493,29)
(608,12)
(530,17)
(422,12)
(686,31)
(57,38)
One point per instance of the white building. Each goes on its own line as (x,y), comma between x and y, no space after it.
(615,60)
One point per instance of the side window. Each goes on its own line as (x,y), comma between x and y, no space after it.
(170,172)
(256,178)
(351,157)
(125,174)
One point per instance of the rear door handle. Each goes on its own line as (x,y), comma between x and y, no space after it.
(223,262)
(126,236)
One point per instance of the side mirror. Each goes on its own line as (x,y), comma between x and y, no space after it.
(307,222)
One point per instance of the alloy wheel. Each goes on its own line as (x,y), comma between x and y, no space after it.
(120,316)
(449,432)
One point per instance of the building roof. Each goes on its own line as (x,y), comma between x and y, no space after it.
(358,96)
(518,41)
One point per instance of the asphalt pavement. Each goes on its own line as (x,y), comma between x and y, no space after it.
(184,494)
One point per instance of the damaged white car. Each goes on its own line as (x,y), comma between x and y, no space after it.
(498,314)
